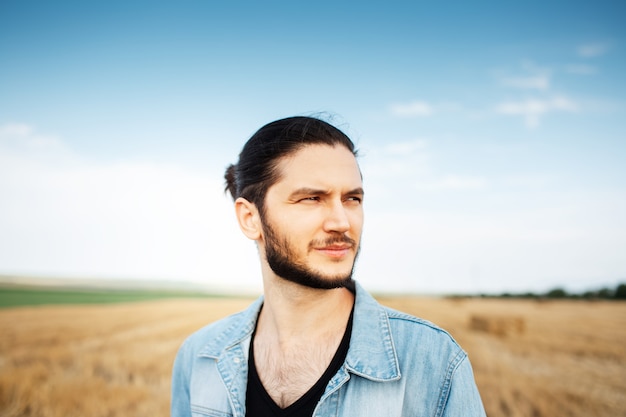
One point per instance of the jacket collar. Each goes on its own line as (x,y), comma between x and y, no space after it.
(371,354)
(239,330)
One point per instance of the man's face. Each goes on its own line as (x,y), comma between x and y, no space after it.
(314,217)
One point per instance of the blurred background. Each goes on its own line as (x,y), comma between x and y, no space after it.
(491,136)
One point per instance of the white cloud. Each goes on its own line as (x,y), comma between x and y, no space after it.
(396,160)
(452,182)
(533,109)
(591,50)
(535,82)
(581,69)
(65,214)
(527,181)
(547,242)
(15,129)
(533,77)
(404,148)
(21,137)
(407,164)
(412,109)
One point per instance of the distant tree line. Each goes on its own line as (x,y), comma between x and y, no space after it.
(617,293)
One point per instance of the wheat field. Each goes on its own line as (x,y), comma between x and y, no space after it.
(531,358)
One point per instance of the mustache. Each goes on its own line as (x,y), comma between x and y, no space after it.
(332,240)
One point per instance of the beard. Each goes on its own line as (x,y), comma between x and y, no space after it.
(283,261)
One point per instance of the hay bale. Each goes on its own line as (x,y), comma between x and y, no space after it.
(500,326)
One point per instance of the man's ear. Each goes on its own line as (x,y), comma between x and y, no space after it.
(248,218)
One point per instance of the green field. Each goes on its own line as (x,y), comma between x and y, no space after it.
(14,296)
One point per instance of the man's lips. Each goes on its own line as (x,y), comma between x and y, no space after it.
(334,247)
(335,251)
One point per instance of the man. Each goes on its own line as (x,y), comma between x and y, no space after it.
(316,343)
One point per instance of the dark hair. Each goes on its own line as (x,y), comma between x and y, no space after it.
(256,169)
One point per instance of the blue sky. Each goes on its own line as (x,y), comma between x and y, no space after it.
(492,136)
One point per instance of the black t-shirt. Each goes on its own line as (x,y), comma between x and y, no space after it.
(260,404)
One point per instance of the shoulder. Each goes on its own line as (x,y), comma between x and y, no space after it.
(382,335)
(208,333)
(412,323)
(414,333)
(215,337)
(405,330)
(435,364)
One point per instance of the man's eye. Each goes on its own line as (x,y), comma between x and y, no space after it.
(355,199)
(310,199)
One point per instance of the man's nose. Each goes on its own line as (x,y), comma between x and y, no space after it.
(337,219)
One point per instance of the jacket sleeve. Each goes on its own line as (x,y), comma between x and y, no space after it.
(180,403)
(464,399)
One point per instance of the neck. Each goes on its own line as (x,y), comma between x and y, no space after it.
(292,312)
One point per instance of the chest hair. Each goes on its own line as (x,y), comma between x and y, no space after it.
(288,372)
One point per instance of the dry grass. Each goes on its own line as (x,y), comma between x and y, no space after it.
(539,358)
(555,358)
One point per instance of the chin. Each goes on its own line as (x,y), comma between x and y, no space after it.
(319,281)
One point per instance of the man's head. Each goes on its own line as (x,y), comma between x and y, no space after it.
(256,169)
(298,193)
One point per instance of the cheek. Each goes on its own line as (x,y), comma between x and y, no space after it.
(356,221)
(302,222)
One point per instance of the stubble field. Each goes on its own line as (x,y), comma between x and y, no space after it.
(531,358)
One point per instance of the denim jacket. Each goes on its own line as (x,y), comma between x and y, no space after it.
(397,365)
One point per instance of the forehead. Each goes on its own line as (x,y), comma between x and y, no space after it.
(320,166)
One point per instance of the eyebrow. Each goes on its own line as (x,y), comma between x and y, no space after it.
(317,192)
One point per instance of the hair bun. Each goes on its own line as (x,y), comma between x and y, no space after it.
(230,177)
